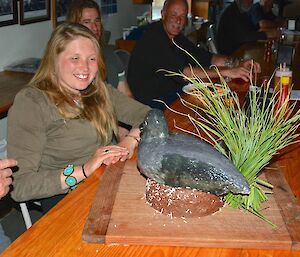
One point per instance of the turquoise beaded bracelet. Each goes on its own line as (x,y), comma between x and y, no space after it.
(70,180)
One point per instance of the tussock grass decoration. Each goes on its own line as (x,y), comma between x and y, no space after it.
(250,137)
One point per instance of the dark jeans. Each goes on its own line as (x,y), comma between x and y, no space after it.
(48,203)
(4,240)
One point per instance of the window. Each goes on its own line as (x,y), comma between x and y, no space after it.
(108,6)
(156,8)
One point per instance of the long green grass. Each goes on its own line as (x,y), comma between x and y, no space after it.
(250,137)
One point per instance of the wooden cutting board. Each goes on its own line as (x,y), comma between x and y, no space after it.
(120,215)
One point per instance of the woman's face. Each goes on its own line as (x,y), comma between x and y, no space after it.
(77,65)
(91,19)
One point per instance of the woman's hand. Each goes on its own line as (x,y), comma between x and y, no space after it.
(130,142)
(105,155)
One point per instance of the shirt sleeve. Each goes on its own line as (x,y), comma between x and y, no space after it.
(256,14)
(122,76)
(114,67)
(128,110)
(26,140)
(202,56)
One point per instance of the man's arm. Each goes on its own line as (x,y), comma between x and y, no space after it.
(238,72)
(227,67)
(222,60)
(231,62)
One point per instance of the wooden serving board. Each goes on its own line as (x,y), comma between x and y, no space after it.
(120,215)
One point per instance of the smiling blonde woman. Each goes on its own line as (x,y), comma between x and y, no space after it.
(61,126)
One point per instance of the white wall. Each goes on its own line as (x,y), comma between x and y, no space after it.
(18,42)
(126,17)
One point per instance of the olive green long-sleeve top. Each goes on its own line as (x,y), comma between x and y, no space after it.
(44,142)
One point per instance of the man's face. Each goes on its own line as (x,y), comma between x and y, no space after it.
(245,5)
(174,18)
(92,20)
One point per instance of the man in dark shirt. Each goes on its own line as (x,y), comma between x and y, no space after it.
(236,28)
(156,51)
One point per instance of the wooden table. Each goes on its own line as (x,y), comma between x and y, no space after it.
(10,84)
(59,232)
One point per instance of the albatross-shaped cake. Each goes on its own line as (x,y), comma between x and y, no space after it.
(179,160)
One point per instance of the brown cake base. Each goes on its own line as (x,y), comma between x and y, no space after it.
(181,202)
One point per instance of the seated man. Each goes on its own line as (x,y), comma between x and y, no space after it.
(262,16)
(236,28)
(155,50)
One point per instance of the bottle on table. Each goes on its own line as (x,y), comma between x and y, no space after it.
(282,83)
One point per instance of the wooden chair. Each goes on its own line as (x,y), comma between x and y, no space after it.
(211,39)
(26,214)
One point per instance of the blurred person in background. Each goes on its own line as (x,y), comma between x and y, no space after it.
(236,28)
(263,17)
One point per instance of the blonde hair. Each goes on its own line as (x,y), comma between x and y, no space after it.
(97,108)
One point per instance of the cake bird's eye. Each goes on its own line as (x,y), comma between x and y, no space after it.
(141,127)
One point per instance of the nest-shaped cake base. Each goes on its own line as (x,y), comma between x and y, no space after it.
(181,202)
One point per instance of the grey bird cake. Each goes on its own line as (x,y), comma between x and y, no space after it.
(186,177)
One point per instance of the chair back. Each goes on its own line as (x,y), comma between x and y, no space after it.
(106,36)
(124,57)
(26,214)
(211,38)
(211,32)
(211,46)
